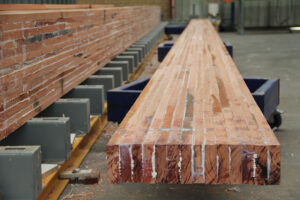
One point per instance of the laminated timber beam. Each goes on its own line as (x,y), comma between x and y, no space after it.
(44,54)
(13,7)
(195,122)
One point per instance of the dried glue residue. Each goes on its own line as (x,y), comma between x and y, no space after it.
(254,164)
(203,159)
(229,152)
(131,161)
(268,164)
(154,173)
(179,164)
(193,157)
(218,165)
(119,160)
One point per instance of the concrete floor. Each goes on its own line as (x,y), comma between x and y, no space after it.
(261,54)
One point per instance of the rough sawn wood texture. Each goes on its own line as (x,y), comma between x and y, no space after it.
(195,122)
(46,53)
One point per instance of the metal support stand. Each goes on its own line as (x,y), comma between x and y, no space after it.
(52,134)
(106,80)
(78,110)
(95,93)
(129,59)
(123,64)
(20,172)
(117,72)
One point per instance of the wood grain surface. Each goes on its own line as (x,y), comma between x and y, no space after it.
(46,53)
(195,122)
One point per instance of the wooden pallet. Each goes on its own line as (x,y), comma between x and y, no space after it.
(195,122)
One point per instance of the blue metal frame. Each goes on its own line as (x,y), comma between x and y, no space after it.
(266,94)
(174,29)
(229,48)
(163,50)
(120,100)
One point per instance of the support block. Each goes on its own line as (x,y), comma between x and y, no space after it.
(95,93)
(144,43)
(78,110)
(142,47)
(123,64)
(106,80)
(140,54)
(20,172)
(149,41)
(163,50)
(174,29)
(134,54)
(130,59)
(266,94)
(52,134)
(120,100)
(117,72)
(151,38)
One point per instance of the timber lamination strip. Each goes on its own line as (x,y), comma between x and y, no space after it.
(50,6)
(195,122)
(46,53)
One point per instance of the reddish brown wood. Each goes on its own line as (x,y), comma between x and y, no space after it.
(13,7)
(46,53)
(195,122)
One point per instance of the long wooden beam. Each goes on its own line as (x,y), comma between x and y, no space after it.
(46,53)
(14,7)
(195,122)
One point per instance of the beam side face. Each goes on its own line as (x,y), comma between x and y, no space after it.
(57,50)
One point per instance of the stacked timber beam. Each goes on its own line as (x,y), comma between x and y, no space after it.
(195,122)
(46,53)
(50,6)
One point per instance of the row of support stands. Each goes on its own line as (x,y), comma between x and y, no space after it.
(59,138)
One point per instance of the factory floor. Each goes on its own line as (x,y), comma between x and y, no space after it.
(256,54)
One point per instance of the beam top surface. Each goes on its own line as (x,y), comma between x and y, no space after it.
(198,89)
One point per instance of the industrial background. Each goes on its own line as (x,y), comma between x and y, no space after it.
(257,13)
(71,70)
